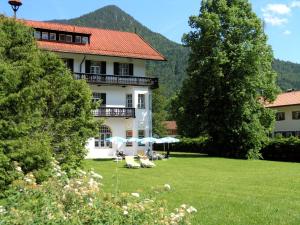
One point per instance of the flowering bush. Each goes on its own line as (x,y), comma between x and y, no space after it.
(80,200)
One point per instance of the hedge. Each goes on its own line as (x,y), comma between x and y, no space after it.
(191,145)
(282,149)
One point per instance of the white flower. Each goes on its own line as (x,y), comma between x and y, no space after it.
(167,186)
(125,212)
(2,210)
(183,206)
(58,174)
(67,186)
(27,179)
(82,172)
(19,169)
(78,182)
(135,195)
(191,209)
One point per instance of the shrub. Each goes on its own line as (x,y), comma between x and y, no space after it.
(192,145)
(80,200)
(282,149)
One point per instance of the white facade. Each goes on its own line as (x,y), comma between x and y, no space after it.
(116,98)
(287,124)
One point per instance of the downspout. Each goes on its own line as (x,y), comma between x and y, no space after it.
(82,63)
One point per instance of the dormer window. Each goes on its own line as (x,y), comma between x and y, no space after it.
(78,39)
(37,34)
(69,38)
(52,36)
(62,37)
(85,40)
(45,35)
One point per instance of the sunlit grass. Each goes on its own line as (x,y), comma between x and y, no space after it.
(225,191)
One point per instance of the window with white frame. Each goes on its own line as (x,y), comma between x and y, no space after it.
(123,69)
(85,40)
(104,134)
(129,101)
(141,101)
(37,34)
(62,37)
(52,36)
(280,116)
(141,135)
(45,35)
(128,135)
(296,115)
(95,67)
(77,39)
(69,38)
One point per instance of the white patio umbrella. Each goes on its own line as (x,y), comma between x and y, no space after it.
(168,140)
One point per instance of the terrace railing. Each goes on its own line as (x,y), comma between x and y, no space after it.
(114,112)
(100,79)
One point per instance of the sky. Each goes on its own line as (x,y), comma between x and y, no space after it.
(170,17)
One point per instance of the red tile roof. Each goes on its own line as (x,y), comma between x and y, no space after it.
(102,42)
(286,99)
(170,125)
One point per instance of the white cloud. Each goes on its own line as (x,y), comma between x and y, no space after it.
(295,4)
(274,20)
(280,9)
(287,32)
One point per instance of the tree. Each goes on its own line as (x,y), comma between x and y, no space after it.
(44,112)
(229,76)
(159,113)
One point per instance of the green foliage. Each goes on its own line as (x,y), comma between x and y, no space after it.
(230,73)
(159,113)
(80,200)
(282,149)
(44,112)
(191,145)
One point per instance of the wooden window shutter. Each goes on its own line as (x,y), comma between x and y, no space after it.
(130,69)
(88,66)
(116,68)
(103,68)
(71,64)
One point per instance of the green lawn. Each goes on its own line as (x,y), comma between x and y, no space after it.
(225,191)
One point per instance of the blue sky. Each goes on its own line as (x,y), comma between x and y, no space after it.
(170,17)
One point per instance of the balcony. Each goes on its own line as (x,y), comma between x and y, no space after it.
(100,79)
(114,112)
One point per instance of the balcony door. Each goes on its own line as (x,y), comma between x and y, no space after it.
(129,101)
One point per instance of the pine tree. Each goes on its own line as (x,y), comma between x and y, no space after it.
(229,75)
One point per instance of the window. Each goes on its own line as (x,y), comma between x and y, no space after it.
(129,101)
(53,36)
(123,69)
(62,37)
(85,40)
(280,116)
(141,135)
(69,38)
(95,69)
(296,115)
(37,34)
(128,135)
(77,39)
(101,141)
(45,35)
(141,101)
(99,96)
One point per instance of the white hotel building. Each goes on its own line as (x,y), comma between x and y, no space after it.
(113,64)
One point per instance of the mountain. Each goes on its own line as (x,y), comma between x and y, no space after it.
(172,72)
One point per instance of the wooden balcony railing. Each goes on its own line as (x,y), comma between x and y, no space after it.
(100,79)
(114,112)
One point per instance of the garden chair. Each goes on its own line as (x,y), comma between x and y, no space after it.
(141,154)
(130,163)
(146,163)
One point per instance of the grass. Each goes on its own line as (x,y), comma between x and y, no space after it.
(225,191)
